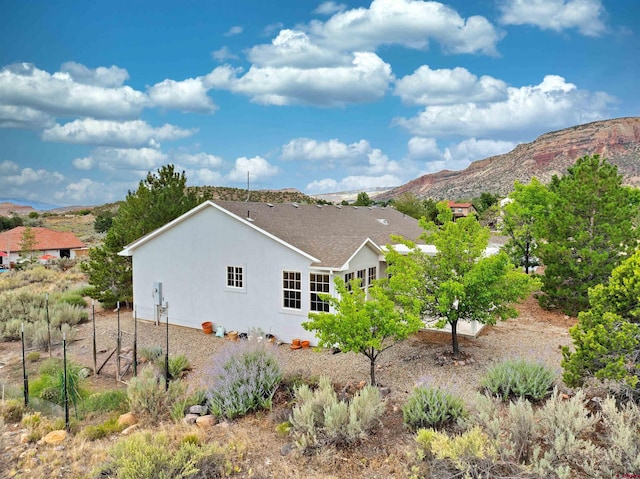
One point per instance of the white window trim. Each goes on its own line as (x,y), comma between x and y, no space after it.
(235,289)
(282,290)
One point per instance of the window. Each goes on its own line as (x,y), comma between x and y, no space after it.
(318,283)
(362,278)
(291,290)
(347,280)
(372,276)
(235,277)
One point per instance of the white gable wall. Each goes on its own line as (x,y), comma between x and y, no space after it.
(190,259)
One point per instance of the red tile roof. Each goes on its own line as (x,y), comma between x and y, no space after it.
(46,239)
(453,204)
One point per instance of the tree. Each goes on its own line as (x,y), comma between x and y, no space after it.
(363,199)
(27,243)
(103,221)
(607,337)
(522,220)
(587,230)
(484,202)
(459,282)
(159,199)
(363,326)
(409,204)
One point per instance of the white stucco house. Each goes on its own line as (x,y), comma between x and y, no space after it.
(245,265)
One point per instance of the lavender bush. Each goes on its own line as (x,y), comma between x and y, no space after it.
(244,378)
(519,379)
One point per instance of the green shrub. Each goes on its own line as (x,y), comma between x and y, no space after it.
(319,418)
(49,385)
(73,298)
(33,356)
(519,379)
(147,397)
(149,354)
(144,455)
(99,431)
(243,379)
(178,366)
(430,407)
(12,410)
(464,451)
(114,400)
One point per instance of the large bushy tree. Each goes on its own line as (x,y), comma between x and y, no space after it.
(409,204)
(522,218)
(460,282)
(160,198)
(360,325)
(586,231)
(607,337)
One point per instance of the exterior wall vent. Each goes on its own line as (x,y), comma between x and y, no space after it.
(383,221)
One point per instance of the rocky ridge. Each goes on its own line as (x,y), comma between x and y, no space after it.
(617,140)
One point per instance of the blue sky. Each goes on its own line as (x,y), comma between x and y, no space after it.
(323,97)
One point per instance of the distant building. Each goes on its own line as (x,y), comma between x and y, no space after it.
(460,210)
(48,244)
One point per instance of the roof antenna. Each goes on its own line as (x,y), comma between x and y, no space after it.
(248,190)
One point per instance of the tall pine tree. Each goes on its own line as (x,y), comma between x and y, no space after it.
(159,199)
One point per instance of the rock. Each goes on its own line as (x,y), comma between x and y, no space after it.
(129,430)
(199,410)
(206,421)
(127,419)
(85,373)
(385,391)
(191,418)
(461,363)
(55,437)
(286,449)
(362,384)
(24,438)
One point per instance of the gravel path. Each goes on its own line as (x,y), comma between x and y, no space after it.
(535,335)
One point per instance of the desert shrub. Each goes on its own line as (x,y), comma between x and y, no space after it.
(243,379)
(49,385)
(149,354)
(319,418)
(99,431)
(73,298)
(33,356)
(114,400)
(67,314)
(620,431)
(147,397)
(466,452)
(144,455)
(12,410)
(519,379)
(12,330)
(430,407)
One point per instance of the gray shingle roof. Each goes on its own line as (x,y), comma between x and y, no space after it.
(329,233)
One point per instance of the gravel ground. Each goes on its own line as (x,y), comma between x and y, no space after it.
(535,335)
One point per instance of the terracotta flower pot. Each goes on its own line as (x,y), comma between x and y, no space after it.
(207,327)
(304,344)
(295,344)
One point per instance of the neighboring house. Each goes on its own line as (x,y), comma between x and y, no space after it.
(249,265)
(48,243)
(460,210)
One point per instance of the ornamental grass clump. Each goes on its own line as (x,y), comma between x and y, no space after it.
(149,400)
(243,379)
(431,407)
(519,379)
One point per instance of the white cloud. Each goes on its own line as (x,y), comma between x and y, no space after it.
(132,134)
(445,86)
(585,15)
(365,80)
(257,167)
(420,148)
(223,54)
(411,23)
(329,8)
(236,30)
(111,77)
(112,159)
(24,85)
(294,48)
(460,155)
(553,103)
(202,176)
(200,160)
(23,117)
(13,178)
(185,95)
(352,183)
(324,151)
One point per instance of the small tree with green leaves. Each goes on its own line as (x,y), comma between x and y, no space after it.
(409,204)
(363,199)
(607,337)
(363,326)
(459,282)
(27,243)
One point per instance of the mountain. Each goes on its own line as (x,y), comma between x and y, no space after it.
(550,154)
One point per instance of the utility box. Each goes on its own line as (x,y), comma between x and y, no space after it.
(157,293)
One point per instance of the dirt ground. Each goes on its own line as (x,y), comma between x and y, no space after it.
(260,451)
